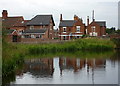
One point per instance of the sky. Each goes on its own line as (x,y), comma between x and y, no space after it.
(105,10)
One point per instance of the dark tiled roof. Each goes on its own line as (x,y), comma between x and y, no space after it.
(41,31)
(65,23)
(12,21)
(101,23)
(41,20)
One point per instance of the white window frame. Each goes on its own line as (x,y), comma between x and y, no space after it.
(64,29)
(77,28)
(39,36)
(93,28)
(32,36)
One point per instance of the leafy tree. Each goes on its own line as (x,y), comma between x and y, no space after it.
(110,30)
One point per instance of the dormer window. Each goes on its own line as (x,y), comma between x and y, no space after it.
(31,27)
(64,29)
(77,28)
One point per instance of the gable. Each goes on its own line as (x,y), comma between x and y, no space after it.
(79,23)
(98,23)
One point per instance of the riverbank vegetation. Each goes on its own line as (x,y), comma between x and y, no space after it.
(13,53)
(77,45)
(11,58)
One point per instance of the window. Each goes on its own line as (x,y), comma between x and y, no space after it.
(38,36)
(32,36)
(93,28)
(31,27)
(64,37)
(27,36)
(64,29)
(78,36)
(22,22)
(51,26)
(44,26)
(20,32)
(78,28)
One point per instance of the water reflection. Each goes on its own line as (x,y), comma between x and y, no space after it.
(77,64)
(39,67)
(69,69)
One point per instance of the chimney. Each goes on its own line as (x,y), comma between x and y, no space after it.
(76,17)
(4,14)
(60,17)
(93,15)
(87,20)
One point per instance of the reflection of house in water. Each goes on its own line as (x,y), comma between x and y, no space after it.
(71,63)
(77,64)
(39,67)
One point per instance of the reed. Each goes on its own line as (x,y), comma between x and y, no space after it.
(77,45)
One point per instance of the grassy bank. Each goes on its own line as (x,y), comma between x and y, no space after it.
(78,54)
(77,45)
(11,58)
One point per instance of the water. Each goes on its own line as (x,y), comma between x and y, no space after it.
(62,69)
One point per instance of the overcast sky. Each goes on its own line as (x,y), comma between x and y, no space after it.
(105,10)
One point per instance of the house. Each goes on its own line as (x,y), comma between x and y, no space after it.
(14,24)
(70,29)
(96,28)
(39,28)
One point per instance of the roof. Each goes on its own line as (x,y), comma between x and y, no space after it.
(40,31)
(65,23)
(13,21)
(41,20)
(101,23)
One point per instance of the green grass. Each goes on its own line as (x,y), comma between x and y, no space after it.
(11,58)
(77,45)
(78,54)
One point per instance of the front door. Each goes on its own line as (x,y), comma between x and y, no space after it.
(15,38)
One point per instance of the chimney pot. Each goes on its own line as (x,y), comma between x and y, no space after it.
(4,14)
(87,20)
(60,17)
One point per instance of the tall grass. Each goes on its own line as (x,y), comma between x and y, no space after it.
(80,44)
(11,58)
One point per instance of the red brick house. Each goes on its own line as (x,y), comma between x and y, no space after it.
(15,24)
(39,28)
(69,29)
(96,28)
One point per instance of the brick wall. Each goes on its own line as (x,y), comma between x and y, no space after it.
(99,30)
